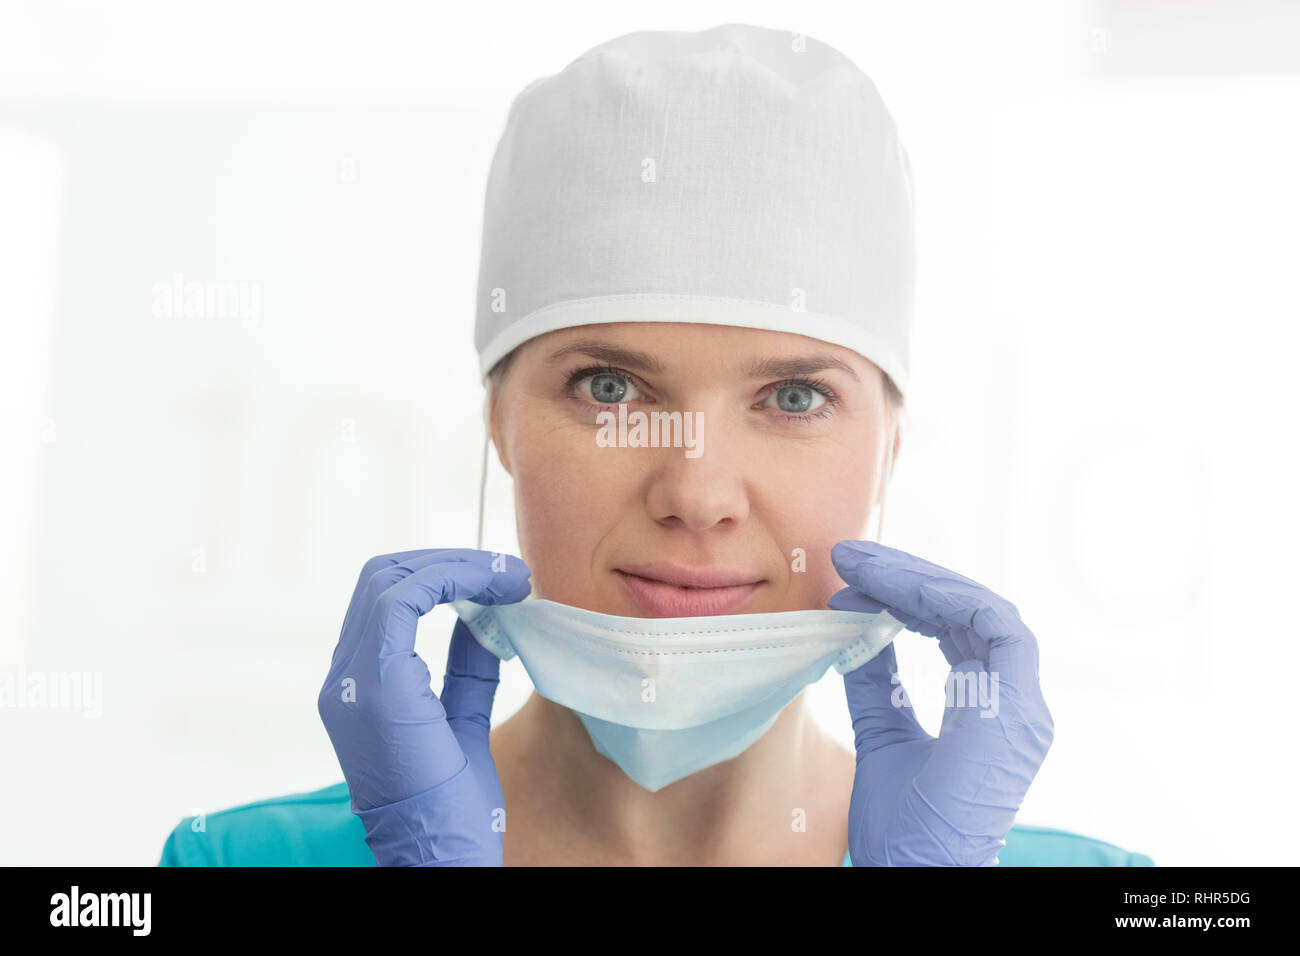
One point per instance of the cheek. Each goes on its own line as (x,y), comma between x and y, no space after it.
(569,494)
(813,505)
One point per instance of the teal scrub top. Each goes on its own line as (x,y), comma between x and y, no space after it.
(320,829)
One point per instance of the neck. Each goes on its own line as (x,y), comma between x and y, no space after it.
(785,797)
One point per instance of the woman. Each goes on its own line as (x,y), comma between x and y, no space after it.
(714,225)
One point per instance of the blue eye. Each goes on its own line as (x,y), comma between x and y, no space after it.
(608,388)
(796,399)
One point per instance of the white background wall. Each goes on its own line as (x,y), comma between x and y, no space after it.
(1102,426)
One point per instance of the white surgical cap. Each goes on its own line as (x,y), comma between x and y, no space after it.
(735,176)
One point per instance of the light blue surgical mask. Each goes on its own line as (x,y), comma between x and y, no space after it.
(665,697)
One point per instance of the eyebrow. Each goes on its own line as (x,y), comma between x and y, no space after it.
(797,366)
(625,358)
(792,367)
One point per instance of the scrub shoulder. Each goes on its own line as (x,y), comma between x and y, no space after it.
(318,828)
(1047,846)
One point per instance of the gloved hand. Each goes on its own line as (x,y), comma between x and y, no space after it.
(947,801)
(418,769)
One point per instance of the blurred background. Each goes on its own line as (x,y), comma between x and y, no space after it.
(238,253)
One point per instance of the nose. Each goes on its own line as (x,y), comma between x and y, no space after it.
(701,493)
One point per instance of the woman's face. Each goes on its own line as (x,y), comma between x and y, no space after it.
(780,449)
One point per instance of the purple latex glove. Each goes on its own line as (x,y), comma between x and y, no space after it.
(418,769)
(947,801)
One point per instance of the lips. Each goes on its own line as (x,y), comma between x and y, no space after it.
(661,590)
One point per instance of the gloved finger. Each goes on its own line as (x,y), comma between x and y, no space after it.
(850,552)
(986,627)
(989,749)
(999,641)
(953,648)
(961,644)
(851,599)
(942,599)
(358,607)
(879,706)
(932,600)
(854,564)
(968,645)
(393,683)
(390,629)
(389,729)
(469,686)
(994,630)
(509,585)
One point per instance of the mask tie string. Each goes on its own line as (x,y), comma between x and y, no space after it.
(889,461)
(482,488)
